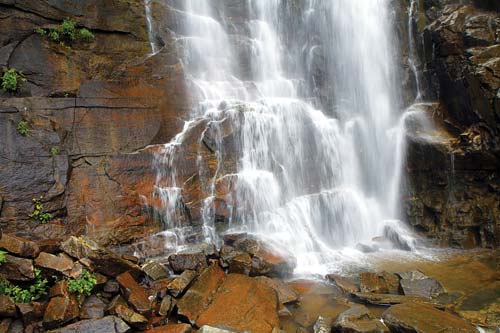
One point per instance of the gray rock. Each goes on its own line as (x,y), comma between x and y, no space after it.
(109,324)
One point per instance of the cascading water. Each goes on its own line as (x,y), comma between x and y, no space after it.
(314,175)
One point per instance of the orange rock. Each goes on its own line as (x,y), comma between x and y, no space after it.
(134,293)
(242,304)
(174,328)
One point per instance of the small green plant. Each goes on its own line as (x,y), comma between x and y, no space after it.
(25,295)
(85,35)
(54,151)
(22,128)
(38,212)
(83,285)
(11,80)
(54,35)
(41,32)
(2,257)
(68,29)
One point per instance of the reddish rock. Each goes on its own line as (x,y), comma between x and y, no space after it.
(60,311)
(383,283)
(199,296)
(7,307)
(285,293)
(344,284)
(131,317)
(173,328)
(419,318)
(241,264)
(177,286)
(134,293)
(358,319)
(17,269)
(61,263)
(242,304)
(60,288)
(19,246)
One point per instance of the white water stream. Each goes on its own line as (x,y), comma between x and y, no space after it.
(316,175)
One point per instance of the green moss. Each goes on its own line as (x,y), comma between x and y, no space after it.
(2,257)
(84,285)
(86,35)
(54,151)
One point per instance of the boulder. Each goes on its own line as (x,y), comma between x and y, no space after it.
(172,328)
(134,293)
(416,283)
(60,264)
(166,306)
(92,308)
(241,263)
(322,325)
(358,319)
(419,318)
(155,270)
(285,293)
(31,312)
(19,246)
(198,297)
(7,307)
(187,260)
(17,269)
(108,324)
(112,287)
(210,329)
(180,283)
(388,299)
(59,289)
(60,311)
(131,317)
(346,285)
(104,261)
(242,304)
(383,283)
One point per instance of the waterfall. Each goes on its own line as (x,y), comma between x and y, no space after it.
(302,96)
(149,24)
(413,60)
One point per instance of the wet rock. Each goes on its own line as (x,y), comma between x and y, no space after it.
(242,303)
(419,318)
(226,254)
(17,269)
(108,324)
(344,284)
(60,310)
(230,239)
(112,287)
(60,288)
(322,325)
(155,270)
(358,319)
(7,307)
(198,297)
(210,329)
(388,299)
(166,306)
(270,263)
(131,317)
(382,283)
(134,293)
(19,246)
(172,328)
(180,283)
(285,293)
(416,283)
(183,261)
(61,263)
(482,307)
(104,261)
(92,308)
(241,263)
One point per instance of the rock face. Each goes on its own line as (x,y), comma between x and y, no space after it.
(453,193)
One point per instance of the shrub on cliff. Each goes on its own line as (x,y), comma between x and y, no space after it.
(25,295)
(83,285)
(11,80)
(66,33)
(38,212)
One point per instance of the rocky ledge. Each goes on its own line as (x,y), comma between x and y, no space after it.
(79,286)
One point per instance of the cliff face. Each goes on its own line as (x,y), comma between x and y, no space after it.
(454,185)
(90,109)
(103,104)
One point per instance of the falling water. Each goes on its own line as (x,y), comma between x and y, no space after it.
(318,153)
(149,23)
(413,60)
